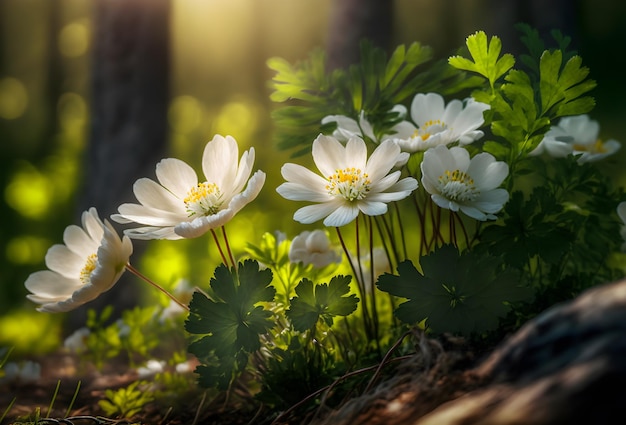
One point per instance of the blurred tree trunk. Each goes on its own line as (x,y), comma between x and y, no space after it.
(130,93)
(354,20)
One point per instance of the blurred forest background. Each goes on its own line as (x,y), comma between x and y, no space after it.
(94,92)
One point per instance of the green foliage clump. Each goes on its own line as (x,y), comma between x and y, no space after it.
(321,302)
(373,85)
(459,293)
(126,402)
(230,320)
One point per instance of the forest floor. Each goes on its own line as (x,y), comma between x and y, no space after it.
(442,375)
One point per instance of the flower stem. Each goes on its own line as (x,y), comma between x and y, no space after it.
(359,282)
(156,285)
(230,254)
(219,247)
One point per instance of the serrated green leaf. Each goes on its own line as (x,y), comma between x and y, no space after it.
(231,323)
(564,85)
(322,301)
(486,57)
(456,293)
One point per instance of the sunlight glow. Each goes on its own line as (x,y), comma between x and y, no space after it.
(27,249)
(239,118)
(72,111)
(185,114)
(30,333)
(74,38)
(29,192)
(13,98)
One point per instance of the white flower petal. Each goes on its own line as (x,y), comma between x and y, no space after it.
(46,283)
(63,261)
(151,232)
(153,195)
(312,213)
(78,241)
(373,208)
(382,159)
(473,212)
(356,151)
(621,211)
(328,155)
(219,160)
(426,107)
(176,176)
(150,216)
(342,216)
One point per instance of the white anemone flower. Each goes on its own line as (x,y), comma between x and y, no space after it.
(179,206)
(313,247)
(456,182)
(349,183)
(577,135)
(621,212)
(26,372)
(89,263)
(77,341)
(434,123)
(348,127)
(555,144)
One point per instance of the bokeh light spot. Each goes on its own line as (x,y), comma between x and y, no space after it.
(238,118)
(27,249)
(72,111)
(13,98)
(30,333)
(166,263)
(29,192)
(74,39)
(185,114)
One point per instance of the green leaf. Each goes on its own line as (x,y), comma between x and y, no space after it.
(486,57)
(563,86)
(322,301)
(231,323)
(456,293)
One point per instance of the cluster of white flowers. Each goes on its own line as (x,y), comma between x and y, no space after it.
(434,123)
(94,257)
(350,183)
(178,205)
(25,372)
(577,135)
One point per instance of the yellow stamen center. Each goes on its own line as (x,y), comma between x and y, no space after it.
(429,128)
(350,183)
(203,199)
(595,147)
(457,186)
(90,266)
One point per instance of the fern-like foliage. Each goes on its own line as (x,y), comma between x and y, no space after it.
(310,92)
(524,103)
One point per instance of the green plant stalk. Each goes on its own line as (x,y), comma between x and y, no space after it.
(140,275)
(6,411)
(69,408)
(54,396)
